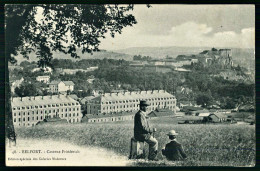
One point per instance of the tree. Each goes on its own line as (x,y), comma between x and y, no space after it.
(26,89)
(204,100)
(60,27)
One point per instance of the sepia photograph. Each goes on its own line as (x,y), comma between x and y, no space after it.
(130,85)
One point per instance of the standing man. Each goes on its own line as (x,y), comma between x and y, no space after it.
(142,131)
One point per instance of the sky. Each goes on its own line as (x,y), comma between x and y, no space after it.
(187,26)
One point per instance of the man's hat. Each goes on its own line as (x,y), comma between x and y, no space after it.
(143,103)
(172,132)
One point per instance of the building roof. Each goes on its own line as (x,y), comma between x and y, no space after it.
(219,115)
(68,83)
(74,96)
(55,82)
(160,112)
(41,100)
(112,115)
(43,76)
(204,114)
(87,98)
(133,95)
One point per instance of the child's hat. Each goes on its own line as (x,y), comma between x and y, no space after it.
(172,132)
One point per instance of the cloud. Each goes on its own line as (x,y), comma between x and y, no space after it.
(188,34)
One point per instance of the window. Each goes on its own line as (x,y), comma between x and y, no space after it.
(37,118)
(61,104)
(14,119)
(44,106)
(53,105)
(41,117)
(49,105)
(18,108)
(23,119)
(32,118)
(14,114)
(23,113)
(14,108)
(27,107)
(19,113)
(40,106)
(19,119)
(36,107)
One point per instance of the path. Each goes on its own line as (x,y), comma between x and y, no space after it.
(54,153)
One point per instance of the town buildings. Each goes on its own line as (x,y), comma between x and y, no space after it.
(44,78)
(122,116)
(74,71)
(129,101)
(61,86)
(28,111)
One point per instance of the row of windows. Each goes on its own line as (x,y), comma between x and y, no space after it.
(112,119)
(45,106)
(134,105)
(50,111)
(126,101)
(28,119)
(40,117)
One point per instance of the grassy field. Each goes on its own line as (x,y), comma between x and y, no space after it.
(205,145)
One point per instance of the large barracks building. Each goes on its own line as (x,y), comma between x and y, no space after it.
(110,103)
(28,111)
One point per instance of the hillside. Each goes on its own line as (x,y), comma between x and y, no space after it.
(243,57)
(96,55)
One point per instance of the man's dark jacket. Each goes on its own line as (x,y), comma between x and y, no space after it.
(174,151)
(142,130)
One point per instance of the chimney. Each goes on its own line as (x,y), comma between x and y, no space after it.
(21,98)
(59,95)
(117,93)
(42,97)
(30,98)
(34,97)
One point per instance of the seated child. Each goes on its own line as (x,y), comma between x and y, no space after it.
(173,150)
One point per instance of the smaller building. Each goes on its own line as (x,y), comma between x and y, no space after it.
(61,86)
(124,116)
(216,118)
(44,78)
(161,113)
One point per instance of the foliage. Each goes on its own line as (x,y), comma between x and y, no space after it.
(141,58)
(204,144)
(204,100)
(26,89)
(62,27)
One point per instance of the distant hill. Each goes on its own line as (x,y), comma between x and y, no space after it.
(243,57)
(97,55)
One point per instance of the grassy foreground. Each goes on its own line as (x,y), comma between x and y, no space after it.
(205,145)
